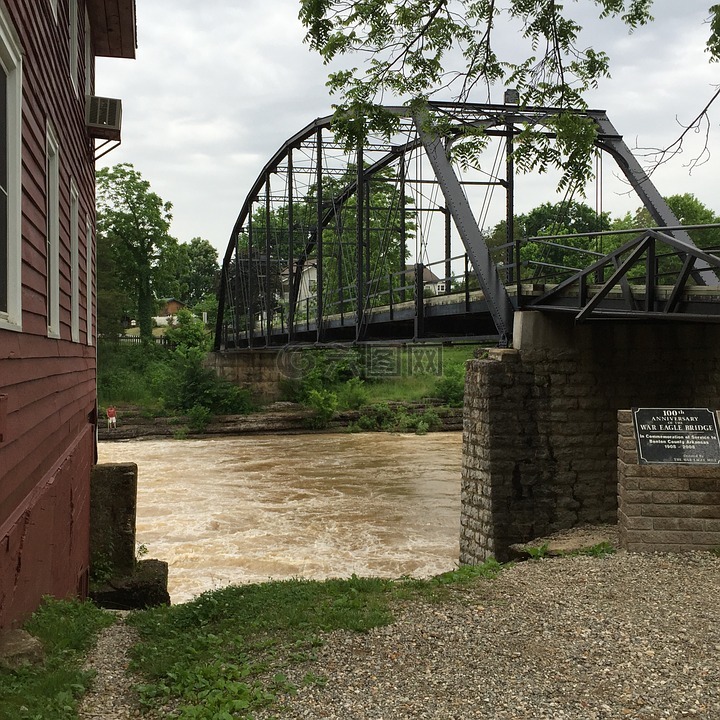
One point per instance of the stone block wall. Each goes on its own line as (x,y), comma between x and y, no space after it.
(258,371)
(540,420)
(664,507)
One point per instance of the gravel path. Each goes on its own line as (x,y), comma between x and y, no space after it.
(626,637)
(111,696)
(622,637)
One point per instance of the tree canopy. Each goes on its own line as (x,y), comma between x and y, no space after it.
(415,49)
(135,222)
(188,271)
(138,260)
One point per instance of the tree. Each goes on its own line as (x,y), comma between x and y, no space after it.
(113,303)
(187,271)
(202,270)
(689,211)
(417,48)
(134,223)
(551,219)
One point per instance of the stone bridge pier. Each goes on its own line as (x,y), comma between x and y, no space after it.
(261,371)
(540,420)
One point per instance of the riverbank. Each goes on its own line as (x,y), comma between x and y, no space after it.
(277,418)
(581,637)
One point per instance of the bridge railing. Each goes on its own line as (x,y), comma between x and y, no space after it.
(650,273)
(553,259)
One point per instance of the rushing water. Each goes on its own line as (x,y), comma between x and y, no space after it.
(246,509)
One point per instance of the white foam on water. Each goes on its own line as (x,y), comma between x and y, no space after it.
(251,508)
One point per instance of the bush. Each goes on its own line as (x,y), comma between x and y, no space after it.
(199,418)
(353,395)
(188,383)
(450,388)
(158,378)
(382,417)
(324,404)
(188,331)
(320,369)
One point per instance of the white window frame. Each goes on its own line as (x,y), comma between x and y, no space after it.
(90,330)
(11,62)
(74,262)
(89,57)
(74,43)
(52,208)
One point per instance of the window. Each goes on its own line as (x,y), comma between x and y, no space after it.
(52,214)
(89,67)
(53,6)
(4,277)
(89,280)
(10,198)
(74,264)
(74,43)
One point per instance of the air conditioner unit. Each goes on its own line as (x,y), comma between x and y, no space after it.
(103,117)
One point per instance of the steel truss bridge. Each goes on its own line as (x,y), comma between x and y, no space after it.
(387,242)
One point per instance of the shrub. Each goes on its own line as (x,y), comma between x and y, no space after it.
(188,331)
(199,418)
(353,394)
(323,403)
(450,388)
(188,383)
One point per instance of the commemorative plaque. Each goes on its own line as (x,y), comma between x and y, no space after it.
(677,435)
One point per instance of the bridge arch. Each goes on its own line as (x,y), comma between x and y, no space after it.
(321,248)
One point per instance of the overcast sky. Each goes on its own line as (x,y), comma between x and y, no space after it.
(215,91)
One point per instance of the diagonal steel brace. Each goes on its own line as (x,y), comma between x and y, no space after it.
(496,296)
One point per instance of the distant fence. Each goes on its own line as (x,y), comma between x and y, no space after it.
(137,340)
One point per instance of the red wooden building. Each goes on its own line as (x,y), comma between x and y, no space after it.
(49,122)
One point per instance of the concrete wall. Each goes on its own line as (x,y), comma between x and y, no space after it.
(256,370)
(664,507)
(540,420)
(113,510)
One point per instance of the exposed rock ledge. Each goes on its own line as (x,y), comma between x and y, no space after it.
(277,418)
(568,542)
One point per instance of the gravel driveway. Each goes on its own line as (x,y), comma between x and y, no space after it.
(625,636)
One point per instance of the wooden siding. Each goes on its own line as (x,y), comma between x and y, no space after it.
(55,518)
(48,449)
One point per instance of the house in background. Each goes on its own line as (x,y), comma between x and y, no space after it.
(432,282)
(170,306)
(49,119)
(308,281)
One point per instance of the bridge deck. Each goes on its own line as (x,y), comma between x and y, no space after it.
(466,316)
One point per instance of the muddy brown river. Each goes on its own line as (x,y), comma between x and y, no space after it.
(250,508)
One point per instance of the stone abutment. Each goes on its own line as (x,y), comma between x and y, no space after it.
(540,420)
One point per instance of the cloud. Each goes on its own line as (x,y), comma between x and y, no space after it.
(214,92)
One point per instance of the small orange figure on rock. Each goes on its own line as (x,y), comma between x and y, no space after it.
(112,418)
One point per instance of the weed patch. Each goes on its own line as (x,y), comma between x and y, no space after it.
(226,653)
(51,690)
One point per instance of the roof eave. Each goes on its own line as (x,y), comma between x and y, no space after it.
(113,27)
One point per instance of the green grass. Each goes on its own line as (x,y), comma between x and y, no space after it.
(230,651)
(413,384)
(50,691)
(602,549)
